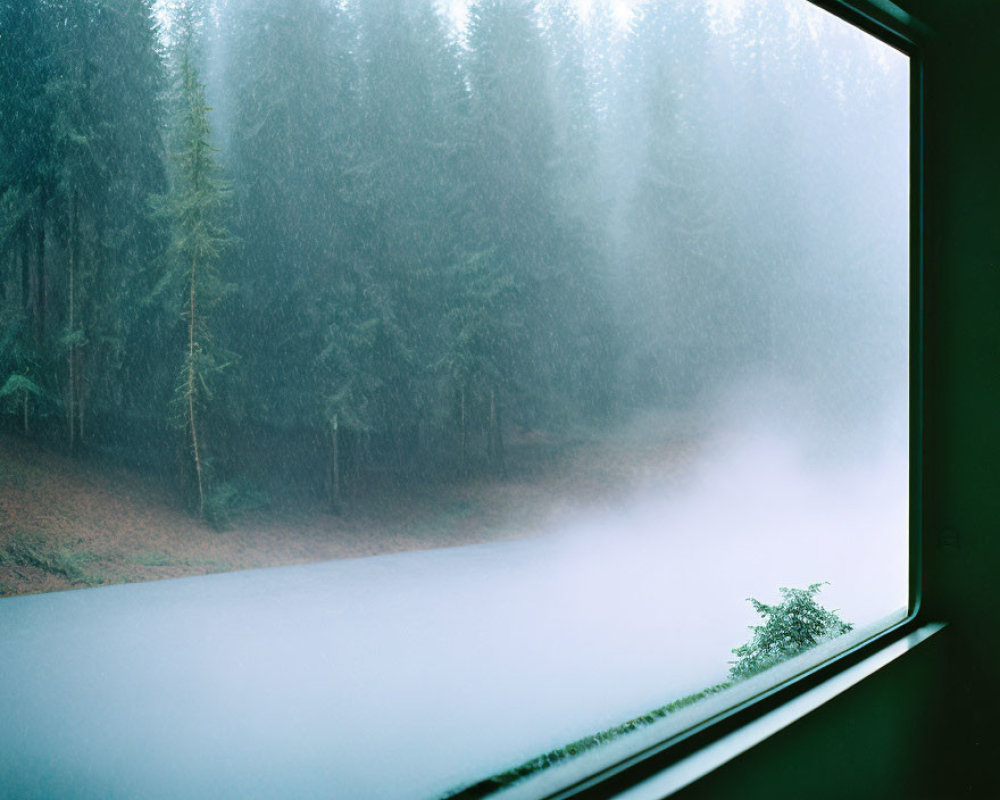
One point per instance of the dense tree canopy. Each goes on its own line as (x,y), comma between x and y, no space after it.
(440,229)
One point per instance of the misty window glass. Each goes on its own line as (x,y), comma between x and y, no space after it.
(562,327)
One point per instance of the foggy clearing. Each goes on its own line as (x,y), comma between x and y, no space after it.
(525,341)
(451,663)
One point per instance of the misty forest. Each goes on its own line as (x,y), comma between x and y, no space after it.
(615,292)
(296,248)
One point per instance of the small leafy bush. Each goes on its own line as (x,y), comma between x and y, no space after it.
(31,551)
(793,626)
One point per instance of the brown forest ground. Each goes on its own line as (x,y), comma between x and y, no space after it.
(67,523)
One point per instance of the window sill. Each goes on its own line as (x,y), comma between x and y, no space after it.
(676,763)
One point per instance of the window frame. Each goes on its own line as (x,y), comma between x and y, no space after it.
(895,28)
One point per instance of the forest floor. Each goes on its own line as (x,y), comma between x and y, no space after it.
(68,523)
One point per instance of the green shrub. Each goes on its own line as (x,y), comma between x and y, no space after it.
(793,626)
(22,550)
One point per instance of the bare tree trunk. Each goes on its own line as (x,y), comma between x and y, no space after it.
(79,395)
(335,485)
(40,290)
(491,431)
(501,454)
(71,356)
(495,445)
(355,462)
(30,279)
(78,353)
(463,434)
(25,260)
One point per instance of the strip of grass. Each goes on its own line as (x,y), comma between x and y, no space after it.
(504,779)
(23,550)
(160,558)
(152,558)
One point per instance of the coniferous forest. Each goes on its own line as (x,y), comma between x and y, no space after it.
(264,243)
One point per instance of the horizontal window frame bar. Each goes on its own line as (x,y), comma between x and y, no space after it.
(731,746)
(682,760)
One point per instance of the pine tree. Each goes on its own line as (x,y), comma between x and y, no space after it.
(512,209)
(191,286)
(80,172)
(682,275)
(526,208)
(486,332)
(122,242)
(27,40)
(293,149)
(79,155)
(413,101)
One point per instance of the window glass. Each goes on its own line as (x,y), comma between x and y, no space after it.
(586,321)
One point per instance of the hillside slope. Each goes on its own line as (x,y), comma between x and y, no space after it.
(67,523)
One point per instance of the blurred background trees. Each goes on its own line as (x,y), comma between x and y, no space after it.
(440,228)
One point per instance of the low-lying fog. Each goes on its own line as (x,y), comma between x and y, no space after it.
(403,676)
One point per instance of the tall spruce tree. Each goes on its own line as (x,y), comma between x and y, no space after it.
(299,175)
(80,125)
(413,100)
(191,285)
(681,272)
(80,170)
(128,98)
(587,337)
(512,213)
(526,209)
(27,63)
